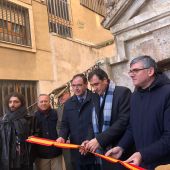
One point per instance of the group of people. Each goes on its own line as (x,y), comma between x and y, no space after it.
(133,127)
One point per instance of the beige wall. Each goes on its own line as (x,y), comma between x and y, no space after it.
(24,63)
(52,60)
(70,57)
(86,25)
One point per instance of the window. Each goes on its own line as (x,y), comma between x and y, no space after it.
(26,88)
(59,13)
(14,23)
(95,5)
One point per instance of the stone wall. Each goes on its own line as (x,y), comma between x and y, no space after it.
(140,28)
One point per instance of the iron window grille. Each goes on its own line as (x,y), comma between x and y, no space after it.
(14,23)
(59,14)
(26,88)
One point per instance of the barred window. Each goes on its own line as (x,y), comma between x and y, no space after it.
(95,5)
(14,23)
(26,88)
(59,13)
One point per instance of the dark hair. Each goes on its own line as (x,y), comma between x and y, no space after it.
(147,62)
(101,74)
(80,75)
(15,94)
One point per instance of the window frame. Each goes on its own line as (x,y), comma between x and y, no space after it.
(60,22)
(32,47)
(27,88)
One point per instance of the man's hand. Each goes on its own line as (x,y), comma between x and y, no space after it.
(115,152)
(60,140)
(92,145)
(82,149)
(135,159)
(68,141)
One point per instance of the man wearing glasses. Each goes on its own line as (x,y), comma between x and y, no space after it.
(76,117)
(149,126)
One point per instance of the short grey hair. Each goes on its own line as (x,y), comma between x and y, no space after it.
(43,94)
(147,62)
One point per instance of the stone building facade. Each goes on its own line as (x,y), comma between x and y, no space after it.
(139,27)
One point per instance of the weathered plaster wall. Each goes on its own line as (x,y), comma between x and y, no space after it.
(142,29)
(29,63)
(86,25)
(70,57)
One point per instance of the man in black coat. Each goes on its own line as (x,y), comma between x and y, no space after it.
(110,115)
(76,117)
(14,130)
(48,157)
(149,125)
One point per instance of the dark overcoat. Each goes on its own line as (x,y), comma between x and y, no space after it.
(119,121)
(75,122)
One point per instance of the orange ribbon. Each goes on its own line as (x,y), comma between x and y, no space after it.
(48,142)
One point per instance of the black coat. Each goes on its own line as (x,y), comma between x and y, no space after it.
(45,127)
(150,123)
(118,124)
(75,122)
(119,117)
(14,130)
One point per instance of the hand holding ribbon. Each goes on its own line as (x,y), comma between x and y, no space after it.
(48,142)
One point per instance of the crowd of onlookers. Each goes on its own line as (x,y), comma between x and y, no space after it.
(110,120)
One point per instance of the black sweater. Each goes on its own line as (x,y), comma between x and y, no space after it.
(46,128)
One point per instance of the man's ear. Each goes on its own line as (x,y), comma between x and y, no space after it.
(151,71)
(105,80)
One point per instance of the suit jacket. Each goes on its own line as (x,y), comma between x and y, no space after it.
(75,122)
(119,117)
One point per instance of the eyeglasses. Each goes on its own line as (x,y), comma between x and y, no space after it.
(76,85)
(136,70)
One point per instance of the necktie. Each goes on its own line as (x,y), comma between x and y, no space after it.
(81,99)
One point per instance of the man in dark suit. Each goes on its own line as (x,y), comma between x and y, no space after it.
(110,115)
(76,117)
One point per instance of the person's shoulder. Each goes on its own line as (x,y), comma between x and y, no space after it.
(94,95)
(36,113)
(54,111)
(122,88)
(29,116)
(70,100)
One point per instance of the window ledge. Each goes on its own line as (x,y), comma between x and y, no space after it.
(17,46)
